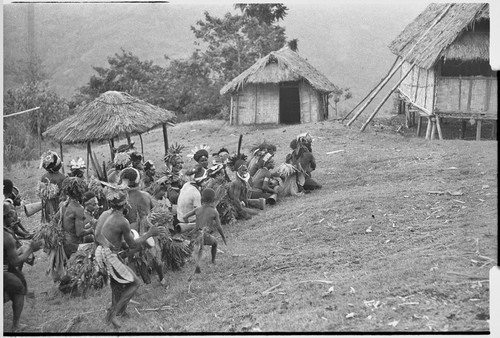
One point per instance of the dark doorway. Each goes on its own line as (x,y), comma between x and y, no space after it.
(289,103)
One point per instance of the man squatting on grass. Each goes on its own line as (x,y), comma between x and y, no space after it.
(112,228)
(207,220)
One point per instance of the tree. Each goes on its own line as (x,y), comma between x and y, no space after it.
(126,73)
(265,13)
(21,132)
(234,42)
(340,93)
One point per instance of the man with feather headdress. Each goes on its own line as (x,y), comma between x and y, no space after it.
(200,156)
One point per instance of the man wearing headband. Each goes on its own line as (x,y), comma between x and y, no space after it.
(174,179)
(51,184)
(77,168)
(303,159)
(190,197)
(238,191)
(201,157)
(140,202)
(120,162)
(112,229)
(11,200)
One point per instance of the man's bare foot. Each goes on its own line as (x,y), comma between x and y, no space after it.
(197,270)
(111,319)
(124,314)
(19,327)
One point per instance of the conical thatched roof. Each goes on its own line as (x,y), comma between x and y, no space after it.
(112,114)
(448,38)
(282,65)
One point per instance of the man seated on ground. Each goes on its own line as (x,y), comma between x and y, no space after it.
(261,182)
(238,191)
(303,159)
(14,283)
(112,229)
(149,174)
(140,202)
(201,158)
(207,221)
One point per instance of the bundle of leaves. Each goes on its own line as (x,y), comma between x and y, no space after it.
(51,233)
(82,273)
(47,190)
(174,252)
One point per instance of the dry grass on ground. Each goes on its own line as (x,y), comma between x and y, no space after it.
(398,240)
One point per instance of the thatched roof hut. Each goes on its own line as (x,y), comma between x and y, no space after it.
(281,87)
(453,37)
(448,47)
(111,115)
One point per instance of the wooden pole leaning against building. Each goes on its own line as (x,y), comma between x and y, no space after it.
(386,97)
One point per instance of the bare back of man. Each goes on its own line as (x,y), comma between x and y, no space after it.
(141,204)
(207,221)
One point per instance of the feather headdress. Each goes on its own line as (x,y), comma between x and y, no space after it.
(261,149)
(198,151)
(122,159)
(235,161)
(50,161)
(78,164)
(173,152)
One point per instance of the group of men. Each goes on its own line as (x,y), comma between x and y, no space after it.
(201,198)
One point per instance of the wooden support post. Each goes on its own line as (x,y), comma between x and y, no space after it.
(39,132)
(142,147)
(165,137)
(111,148)
(433,127)
(419,125)
(89,150)
(231,111)
(429,126)
(375,111)
(462,130)
(129,141)
(460,93)
(62,157)
(494,129)
(256,105)
(469,98)
(438,125)
(478,129)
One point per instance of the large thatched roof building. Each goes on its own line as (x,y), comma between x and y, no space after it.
(448,45)
(281,87)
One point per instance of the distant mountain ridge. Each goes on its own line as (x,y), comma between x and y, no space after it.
(346,42)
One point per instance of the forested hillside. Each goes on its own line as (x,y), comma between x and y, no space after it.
(347,42)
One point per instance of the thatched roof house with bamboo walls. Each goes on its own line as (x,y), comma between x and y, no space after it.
(281,87)
(448,47)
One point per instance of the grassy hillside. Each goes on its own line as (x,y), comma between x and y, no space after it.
(400,239)
(345,41)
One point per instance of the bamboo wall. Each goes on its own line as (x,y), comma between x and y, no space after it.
(257,104)
(471,94)
(418,86)
(312,107)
